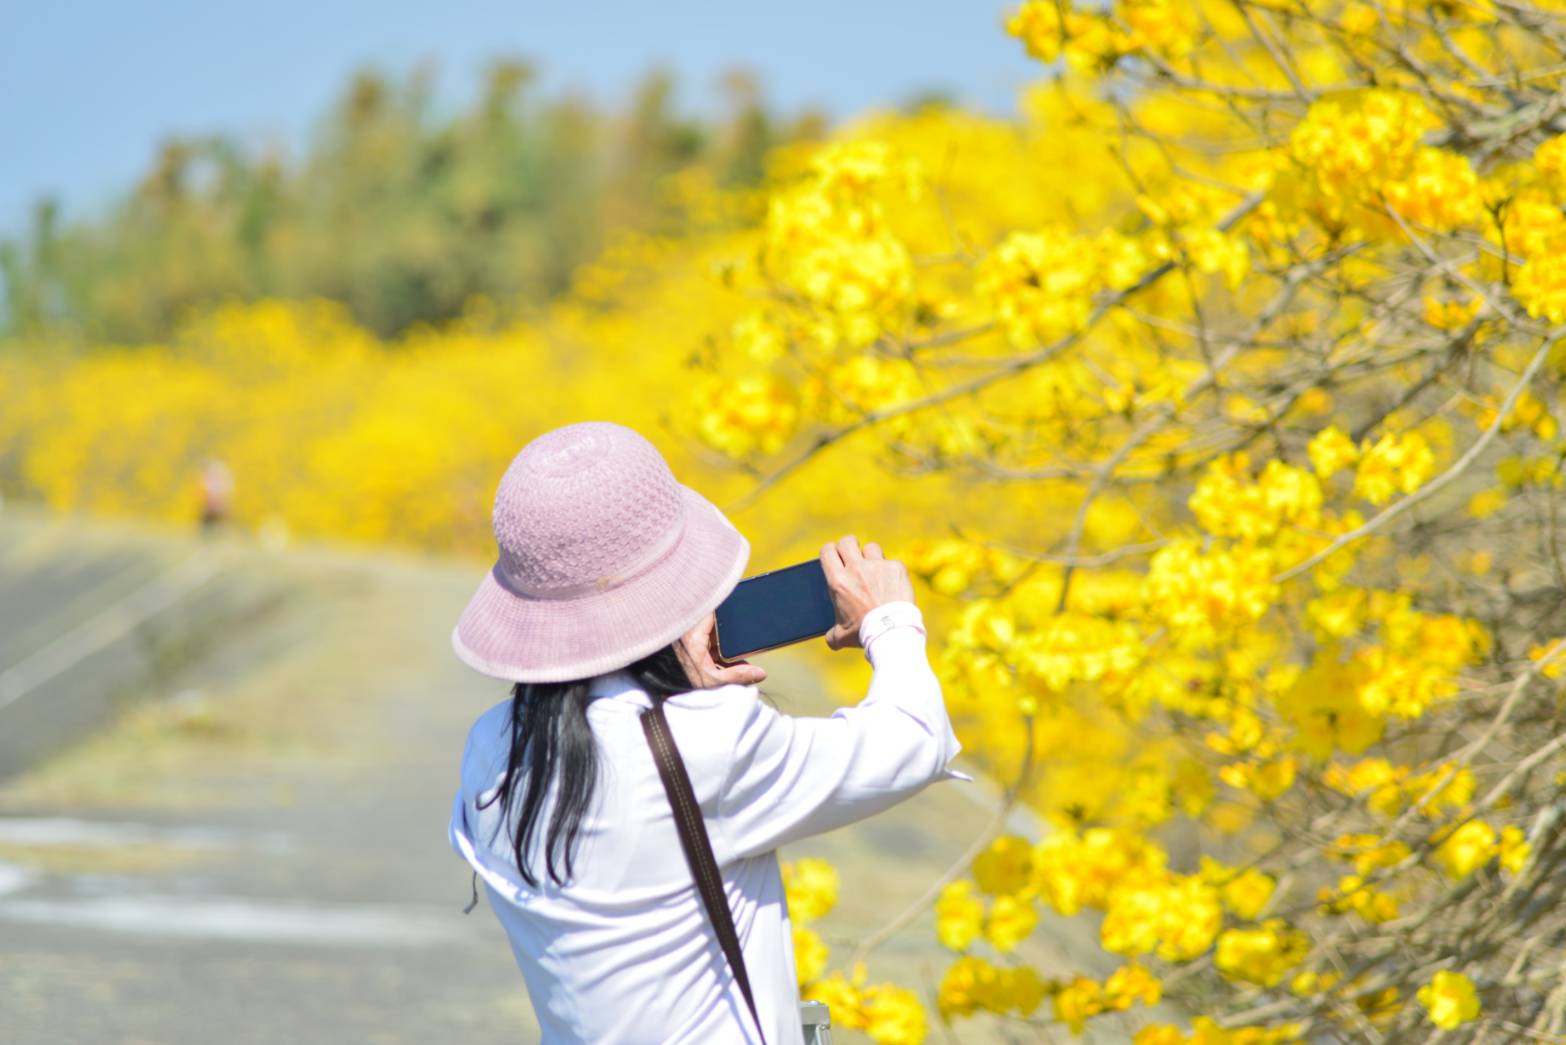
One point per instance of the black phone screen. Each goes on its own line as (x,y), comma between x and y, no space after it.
(775,609)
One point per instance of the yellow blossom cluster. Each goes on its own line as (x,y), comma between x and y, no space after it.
(1357,166)
(1261,955)
(972,984)
(1449,999)
(1388,788)
(1206,1031)
(1084,997)
(1091,39)
(1041,284)
(810,887)
(886,1013)
(828,239)
(1462,848)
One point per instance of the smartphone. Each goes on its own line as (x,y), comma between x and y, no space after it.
(775,609)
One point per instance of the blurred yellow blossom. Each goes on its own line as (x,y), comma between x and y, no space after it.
(810,885)
(1010,920)
(1005,866)
(1449,999)
(959,915)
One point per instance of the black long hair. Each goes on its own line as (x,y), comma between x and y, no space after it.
(551,742)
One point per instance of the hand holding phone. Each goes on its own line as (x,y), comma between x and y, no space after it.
(826,596)
(859,581)
(706,667)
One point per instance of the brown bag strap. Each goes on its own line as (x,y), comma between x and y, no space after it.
(698,848)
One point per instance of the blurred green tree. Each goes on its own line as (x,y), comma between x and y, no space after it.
(404,214)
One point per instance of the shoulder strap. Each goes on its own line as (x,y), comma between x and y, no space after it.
(698,848)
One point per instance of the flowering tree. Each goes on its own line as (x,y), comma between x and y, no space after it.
(1252,330)
(1214,397)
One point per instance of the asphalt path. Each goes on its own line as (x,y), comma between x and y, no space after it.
(252,847)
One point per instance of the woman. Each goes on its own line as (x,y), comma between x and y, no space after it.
(599,607)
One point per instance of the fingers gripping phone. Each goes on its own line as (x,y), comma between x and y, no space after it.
(775,609)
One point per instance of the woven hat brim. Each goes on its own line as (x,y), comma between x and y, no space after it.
(518,639)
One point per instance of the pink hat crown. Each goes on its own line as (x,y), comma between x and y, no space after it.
(603,558)
(582,509)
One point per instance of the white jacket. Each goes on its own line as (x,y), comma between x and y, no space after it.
(624,952)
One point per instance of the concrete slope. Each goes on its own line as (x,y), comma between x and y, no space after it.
(90,614)
(251,847)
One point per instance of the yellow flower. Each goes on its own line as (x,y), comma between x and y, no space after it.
(1261,955)
(893,1015)
(1227,503)
(1040,283)
(1130,984)
(1353,894)
(1049,28)
(757,338)
(843,996)
(1331,450)
(827,238)
(865,383)
(1213,250)
(1324,703)
(1077,1001)
(1486,503)
(1375,777)
(1312,982)
(1005,867)
(739,417)
(1550,160)
(970,984)
(1022,989)
(1177,918)
(959,916)
(1248,892)
(810,955)
(1449,999)
(1466,849)
(1540,285)
(1393,463)
(1203,593)
(1010,921)
(1453,794)
(810,886)
(1368,852)
(1038,25)
(1451,315)
(1357,152)
(1557,664)
(1167,27)
(1514,849)
(1266,780)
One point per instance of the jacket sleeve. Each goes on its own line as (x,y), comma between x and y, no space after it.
(789,778)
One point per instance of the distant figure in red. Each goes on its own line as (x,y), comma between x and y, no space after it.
(217,494)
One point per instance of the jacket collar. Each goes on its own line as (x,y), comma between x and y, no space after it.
(619,686)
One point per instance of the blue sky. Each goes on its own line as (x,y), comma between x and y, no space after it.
(88,89)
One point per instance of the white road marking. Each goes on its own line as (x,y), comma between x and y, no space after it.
(250,921)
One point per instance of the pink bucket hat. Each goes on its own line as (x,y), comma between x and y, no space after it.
(604,558)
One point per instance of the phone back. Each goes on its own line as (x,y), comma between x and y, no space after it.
(775,609)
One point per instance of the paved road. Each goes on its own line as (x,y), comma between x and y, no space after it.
(257,852)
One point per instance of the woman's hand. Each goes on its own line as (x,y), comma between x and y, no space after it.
(698,652)
(860,580)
